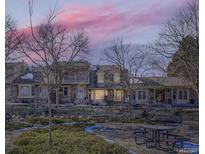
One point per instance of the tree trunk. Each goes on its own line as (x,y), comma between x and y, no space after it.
(57,96)
(49,116)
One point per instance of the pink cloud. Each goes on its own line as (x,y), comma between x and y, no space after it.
(102,21)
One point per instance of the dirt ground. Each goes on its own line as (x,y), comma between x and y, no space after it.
(122,133)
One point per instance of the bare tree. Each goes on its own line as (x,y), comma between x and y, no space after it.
(72,48)
(180,38)
(128,60)
(48,45)
(13,40)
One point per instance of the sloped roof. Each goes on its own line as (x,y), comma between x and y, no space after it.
(108,67)
(106,85)
(13,64)
(77,64)
(29,78)
(163,81)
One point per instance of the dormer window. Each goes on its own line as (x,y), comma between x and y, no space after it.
(109,77)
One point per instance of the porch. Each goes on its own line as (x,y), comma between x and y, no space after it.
(99,94)
(162,95)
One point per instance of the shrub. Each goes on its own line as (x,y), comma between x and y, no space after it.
(45,120)
(38,120)
(16,125)
(66,140)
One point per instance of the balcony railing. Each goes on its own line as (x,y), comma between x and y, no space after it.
(76,79)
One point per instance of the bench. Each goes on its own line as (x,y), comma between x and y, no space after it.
(172,139)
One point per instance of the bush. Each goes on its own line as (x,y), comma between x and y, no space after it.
(38,120)
(45,120)
(16,125)
(66,140)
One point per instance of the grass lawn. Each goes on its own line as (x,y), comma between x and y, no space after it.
(66,140)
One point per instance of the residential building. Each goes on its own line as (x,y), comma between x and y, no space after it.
(101,84)
(12,71)
(170,90)
(75,82)
(29,86)
(108,84)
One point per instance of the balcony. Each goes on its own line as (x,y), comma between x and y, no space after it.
(76,79)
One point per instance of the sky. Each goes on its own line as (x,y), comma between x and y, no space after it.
(136,21)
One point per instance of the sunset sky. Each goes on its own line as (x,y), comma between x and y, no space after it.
(137,21)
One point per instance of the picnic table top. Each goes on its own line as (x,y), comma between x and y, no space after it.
(157,127)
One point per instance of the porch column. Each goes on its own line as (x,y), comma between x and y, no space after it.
(75,76)
(121,95)
(115,94)
(94,94)
(154,95)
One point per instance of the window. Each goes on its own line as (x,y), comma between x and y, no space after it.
(183,94)
(33,91)
(25,91)
(139,94)
(43,91)
(174,95)
(142,95)
(133,95)
(65,91)
(180,94)
(99,94)
(109,77)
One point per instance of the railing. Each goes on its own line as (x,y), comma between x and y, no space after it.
(76,79)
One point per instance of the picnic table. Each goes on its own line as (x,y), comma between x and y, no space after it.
(156,131)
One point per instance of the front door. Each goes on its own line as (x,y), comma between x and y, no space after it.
(80,93)
(160,96)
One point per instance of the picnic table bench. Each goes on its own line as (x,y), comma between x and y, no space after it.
(153,135)
(154,132)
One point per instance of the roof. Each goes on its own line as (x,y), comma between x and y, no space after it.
(162,82)
(110,86)
(76,64)
(13,64)
(29,78)
(108,67)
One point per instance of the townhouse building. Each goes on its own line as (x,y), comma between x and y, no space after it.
(167,90)
(108,84)
(102,84)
